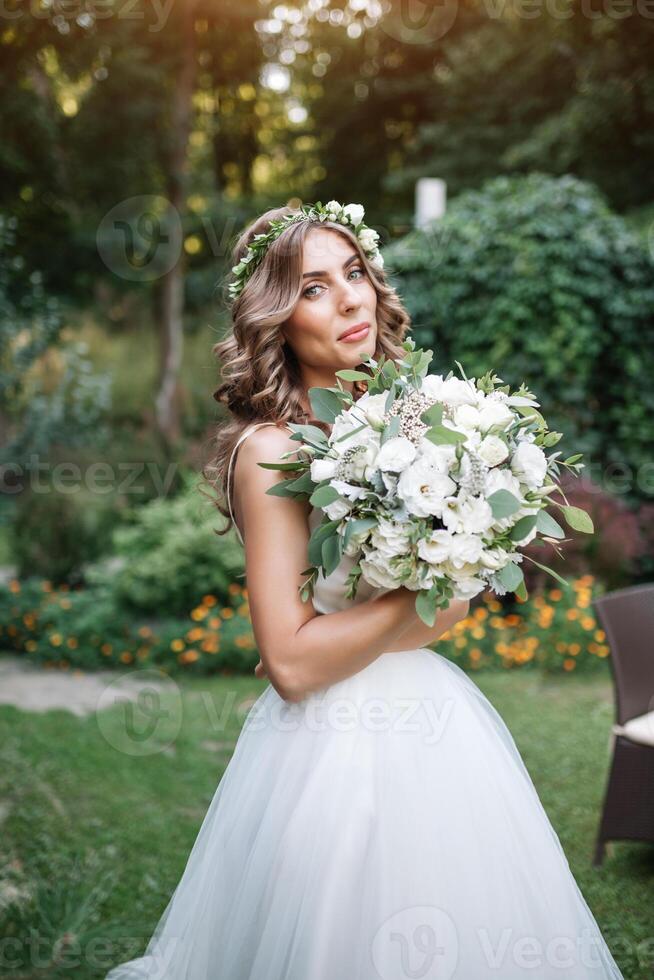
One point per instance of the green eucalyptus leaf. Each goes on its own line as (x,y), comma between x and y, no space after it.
(503,504)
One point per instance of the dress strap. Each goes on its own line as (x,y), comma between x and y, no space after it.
(243,436)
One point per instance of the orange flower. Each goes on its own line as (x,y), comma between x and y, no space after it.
(106,649)
(177,645)
(126,657)
(188,657)
(227,613)
(209,600)
(233,588)
(569,664)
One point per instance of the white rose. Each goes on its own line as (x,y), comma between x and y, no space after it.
(436,548)
(467,417)
(348,489)
(493,450)
(345,425)
(495,413)
(334,209)
(529,464)
(440,457)
(494,558)
(323,469)
(431,386)
(469,587)
(376,570)
(372,407)
(455,391)
(503,480)
(355,213)
(368,238)
(337,509)
(355,541)
(377,260)
(465,549)
(390,538)
(470,515)
(396,454)
(524,436)
(360,466)
(423,488)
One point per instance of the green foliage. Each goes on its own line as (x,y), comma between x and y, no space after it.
(87,629)
(536,277)
(171,555)
(555,631)
(48,392)
(54,534)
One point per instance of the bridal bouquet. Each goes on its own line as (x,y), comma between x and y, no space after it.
(430,482)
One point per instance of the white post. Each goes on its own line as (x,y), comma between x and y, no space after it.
(430,200)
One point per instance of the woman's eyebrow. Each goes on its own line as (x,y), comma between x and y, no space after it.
(322,272)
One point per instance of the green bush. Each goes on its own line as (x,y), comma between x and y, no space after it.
(171,555)
(555,630)
(53,534)
(536,278)
(84,629)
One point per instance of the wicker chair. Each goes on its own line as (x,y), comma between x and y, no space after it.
(627,617)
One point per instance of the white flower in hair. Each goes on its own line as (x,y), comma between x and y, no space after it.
(355,213)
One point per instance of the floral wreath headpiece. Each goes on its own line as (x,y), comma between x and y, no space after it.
(350,215)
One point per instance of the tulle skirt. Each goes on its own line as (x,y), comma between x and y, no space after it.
(384,828)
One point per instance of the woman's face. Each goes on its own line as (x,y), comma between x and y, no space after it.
(337,294)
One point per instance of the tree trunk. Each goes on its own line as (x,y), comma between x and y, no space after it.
(171,285)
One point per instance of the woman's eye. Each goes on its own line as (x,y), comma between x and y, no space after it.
(307,292)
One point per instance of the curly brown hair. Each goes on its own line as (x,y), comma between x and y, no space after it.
(260,375)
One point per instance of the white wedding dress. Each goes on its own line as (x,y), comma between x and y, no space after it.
(383,828)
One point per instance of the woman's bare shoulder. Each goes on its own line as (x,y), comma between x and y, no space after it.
(269,440)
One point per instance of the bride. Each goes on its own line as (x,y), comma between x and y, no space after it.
(376,821)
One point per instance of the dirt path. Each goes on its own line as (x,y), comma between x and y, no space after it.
(34,688)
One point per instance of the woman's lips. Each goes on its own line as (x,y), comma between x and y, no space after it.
(356,335)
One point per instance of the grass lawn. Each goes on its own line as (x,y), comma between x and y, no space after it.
(96,839)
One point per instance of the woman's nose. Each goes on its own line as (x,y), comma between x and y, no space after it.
(349,296)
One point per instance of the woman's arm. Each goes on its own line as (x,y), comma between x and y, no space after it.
(300,650)
(420,635)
